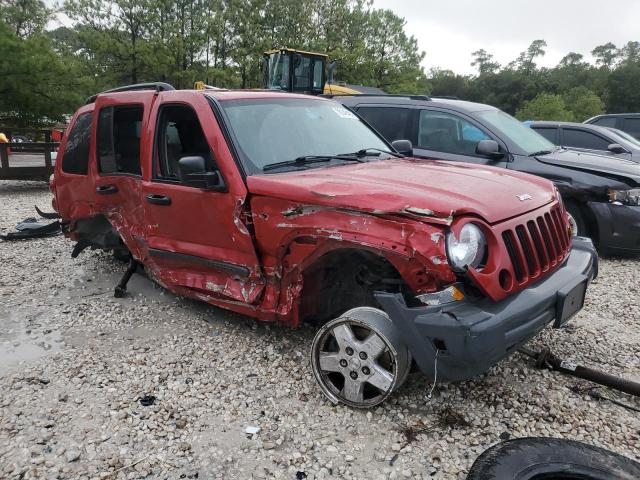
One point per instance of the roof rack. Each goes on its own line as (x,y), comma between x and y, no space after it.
(157,86)
(425,98)
(445,97)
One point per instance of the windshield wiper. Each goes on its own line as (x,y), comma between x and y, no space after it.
(541,152)
(374,152)
(307,159)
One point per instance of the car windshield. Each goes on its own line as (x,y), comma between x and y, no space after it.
(271,131)
(527,139)
(624,135)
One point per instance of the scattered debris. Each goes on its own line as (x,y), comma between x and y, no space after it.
(147,400)
(31,228)
(47,215)
(450,418)
(251,430)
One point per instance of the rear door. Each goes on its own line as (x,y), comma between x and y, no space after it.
(118,151)
(73,171)
(196,239)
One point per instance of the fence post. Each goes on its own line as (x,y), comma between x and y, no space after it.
(47,151)
(4,158)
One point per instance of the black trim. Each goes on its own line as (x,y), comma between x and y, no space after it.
(218,112)
(217,264)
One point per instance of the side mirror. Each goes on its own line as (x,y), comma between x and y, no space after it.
(193,173)
(403,147)
(489,148)
(616,148)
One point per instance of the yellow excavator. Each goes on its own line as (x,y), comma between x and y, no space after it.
(299,71)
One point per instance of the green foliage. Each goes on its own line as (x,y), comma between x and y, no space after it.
(583,103)
(25,17)
(46,74)
(37,85)
(544,106)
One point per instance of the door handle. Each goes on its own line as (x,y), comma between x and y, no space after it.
(158,199)
(106,189)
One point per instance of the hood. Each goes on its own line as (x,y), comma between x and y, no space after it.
(591,162)
(428,189)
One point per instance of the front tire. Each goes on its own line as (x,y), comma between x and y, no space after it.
(576,220)
(358,359)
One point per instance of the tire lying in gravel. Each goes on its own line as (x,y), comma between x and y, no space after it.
(551,459)
(358,358)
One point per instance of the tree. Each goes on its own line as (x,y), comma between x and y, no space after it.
(526,60)
(484,62)
(583,103)
(25,17)
(605,55)
(545,107)
(37,85)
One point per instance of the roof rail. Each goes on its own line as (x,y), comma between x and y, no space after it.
(425,98)
(445,97)
(157,86)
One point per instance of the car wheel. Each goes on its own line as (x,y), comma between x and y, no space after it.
(551,458)
(359,359)
(576,220)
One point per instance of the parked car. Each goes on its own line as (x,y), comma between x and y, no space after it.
(627,122)
(589,138)
(289,208)
(602,194)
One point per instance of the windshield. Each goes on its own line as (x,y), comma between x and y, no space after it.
(525,138)
(269,131)
(626,137)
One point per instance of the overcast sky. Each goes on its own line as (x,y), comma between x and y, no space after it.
(449,30)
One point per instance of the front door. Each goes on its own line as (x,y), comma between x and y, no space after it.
(449,136)
(197,238)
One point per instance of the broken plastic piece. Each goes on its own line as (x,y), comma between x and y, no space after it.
(32,229)
(251,430)
(47,215)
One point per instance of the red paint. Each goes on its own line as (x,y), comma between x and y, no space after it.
(277,225)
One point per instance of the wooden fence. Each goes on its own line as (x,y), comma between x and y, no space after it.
(27,160)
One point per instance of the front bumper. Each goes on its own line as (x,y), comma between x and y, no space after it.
(472,335)
(618,227)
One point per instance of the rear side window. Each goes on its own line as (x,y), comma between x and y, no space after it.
(548,133)
(632,126)
(76,153)
(118,142)
(605,122)
(392,123)
(581,139)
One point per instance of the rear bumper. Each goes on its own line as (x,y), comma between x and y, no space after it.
(477,334)
(618,227)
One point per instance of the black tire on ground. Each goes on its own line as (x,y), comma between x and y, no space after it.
(551,459)
(578,217)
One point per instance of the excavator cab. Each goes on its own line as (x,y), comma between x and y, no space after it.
(295,71)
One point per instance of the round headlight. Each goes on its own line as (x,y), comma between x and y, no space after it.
(468,250)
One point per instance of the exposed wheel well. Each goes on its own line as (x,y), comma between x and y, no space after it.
(345,279)
(98,232)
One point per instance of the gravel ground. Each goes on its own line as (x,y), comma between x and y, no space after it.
(75,363)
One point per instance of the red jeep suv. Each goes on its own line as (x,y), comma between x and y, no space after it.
(288,208)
